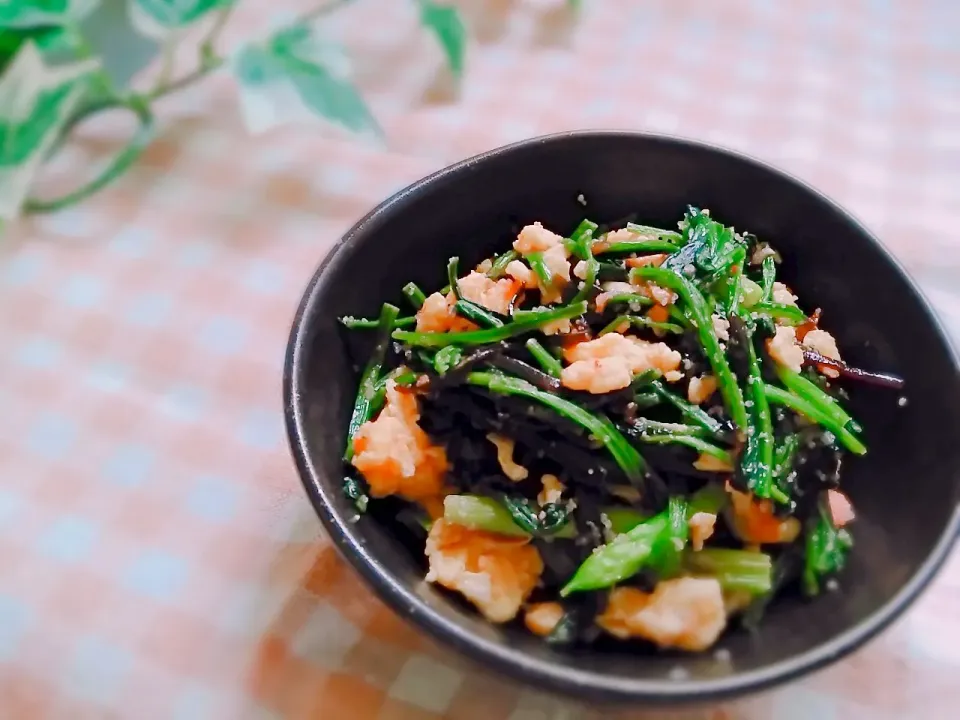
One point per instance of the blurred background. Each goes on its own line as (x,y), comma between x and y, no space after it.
(159,558)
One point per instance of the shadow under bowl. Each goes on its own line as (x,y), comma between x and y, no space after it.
(905,489)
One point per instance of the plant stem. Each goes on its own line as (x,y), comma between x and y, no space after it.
(187,80)
(119,165)
(207,45)
(322,10)
(167,56)
(209,60)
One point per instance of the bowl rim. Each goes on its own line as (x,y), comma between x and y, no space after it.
(509,661)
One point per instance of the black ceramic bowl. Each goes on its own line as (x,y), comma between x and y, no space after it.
(906,489)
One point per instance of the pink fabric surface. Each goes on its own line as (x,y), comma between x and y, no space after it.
(160,559)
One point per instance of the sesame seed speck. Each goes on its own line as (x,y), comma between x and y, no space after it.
(902,402)
(581,199)
(678,673)
(722,655)
(832,585)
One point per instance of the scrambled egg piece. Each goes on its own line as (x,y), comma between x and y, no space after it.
(784,349)
(437,314)
(537,239)
(395,455)
(494,295)
(685,613)
(542,618)
(701,528)
(494,572)
(610,362)
(754,521)
(701,388)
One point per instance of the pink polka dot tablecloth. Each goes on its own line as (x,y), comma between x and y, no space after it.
(158,557)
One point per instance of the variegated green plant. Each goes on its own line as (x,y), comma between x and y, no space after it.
(64,61)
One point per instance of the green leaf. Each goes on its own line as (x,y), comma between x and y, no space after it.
(709,249)
(294,75)
(575,5)
(35,103)
(38,13)
(445,22)
(111,35)
(157,18)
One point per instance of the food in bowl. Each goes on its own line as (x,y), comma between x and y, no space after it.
(636,432)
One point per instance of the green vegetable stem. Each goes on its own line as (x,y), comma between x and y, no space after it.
(700,316)
(692,413)
(499,266)
(620,559)
(826,550)
(735,569)
(813,413)
(790,314)
(757,461)
(627,457)
(515,517)
(414,295)
(548,363)
(650,542)
(540,269)
(491,335)
(371,375)
(816,396)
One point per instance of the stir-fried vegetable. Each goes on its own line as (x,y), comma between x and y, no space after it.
(736,570)
(769,276)
(622,426)
(499,266)
(690,412)
(790,314)
(659,540)
(757,463)
(700,317)
(547,362)
(601,428)
(622,558)
(480,513)
(826,551)
(352,323)
(415,296)
(371,375)
(814,413)
(490,335)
